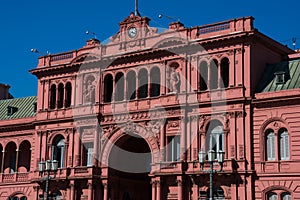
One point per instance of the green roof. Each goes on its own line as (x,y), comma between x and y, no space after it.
(291,71)
(19,107)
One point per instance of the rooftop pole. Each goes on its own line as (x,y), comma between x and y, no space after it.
(136,10)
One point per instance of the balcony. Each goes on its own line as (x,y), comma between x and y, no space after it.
(14,177)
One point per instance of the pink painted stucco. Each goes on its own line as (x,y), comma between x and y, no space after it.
(92,114)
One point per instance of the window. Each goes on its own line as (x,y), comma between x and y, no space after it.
(224,72)
(272,196)
(155,82)
(108,88)
(215,137)
(284,145)
(218,193)
(203,75)
(68,94)
(60,102)
(270,139)
(58,151)
(279,77)
(277,145)
(214,77)
(131,85)
(286,196)
(52,96)
(173,148)
(88,153)
(119,83)
(143,84)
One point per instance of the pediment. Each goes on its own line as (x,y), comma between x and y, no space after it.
(85,57)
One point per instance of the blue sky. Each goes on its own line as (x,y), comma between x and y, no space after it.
(60,25)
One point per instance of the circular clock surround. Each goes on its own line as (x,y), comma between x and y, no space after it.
(132,32)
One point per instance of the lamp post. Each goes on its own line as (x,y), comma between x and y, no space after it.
(211,161)
(46,169)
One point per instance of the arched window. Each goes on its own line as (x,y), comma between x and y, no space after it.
(143,84)
(155,82)
(24,157)
(60,102)
(218,193)
(10,158)
(68,94)
(270,145)
(224,73)
(56,195)
(272,196)
(108,88)
(58,150)
(286,196)
(53,96)
(215,136)
(284,145)
(131,85)
(203,75)
(214,77)
(119,83)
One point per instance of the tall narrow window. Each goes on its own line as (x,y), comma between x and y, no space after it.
(10,158)
(224,73)
(270,145)
(173,148)
(88,154)
(203,75)
(68,94)
(131,85)
(272,196)
(52,96)
(1,156)
(143,84)
(215,136)
(60,102)
(108,88)
(119,83)
(155,82)
(24,157)
(286,196)
(218,193)
(58,151)
(284,144)
(214,77)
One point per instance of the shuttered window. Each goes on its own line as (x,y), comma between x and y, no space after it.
(284,145)
(270,145)
(286,196)
(272,196)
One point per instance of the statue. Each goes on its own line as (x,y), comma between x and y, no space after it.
(174,81)
(89,93)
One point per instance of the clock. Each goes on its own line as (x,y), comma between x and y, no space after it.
(132,32)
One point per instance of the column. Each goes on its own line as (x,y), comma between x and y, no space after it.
(179,187)
(36,191)
(162,144)
(105,191)
(158,190)
(183,135)
(113,98)
(70,148)
(77,148)
(149,84)
(125,88)
(208,75)
(57,97)
(153,190)
(72,191)
(2,163)
(17,160)
(90,188)
(220,80)
(95,147)
(137,86)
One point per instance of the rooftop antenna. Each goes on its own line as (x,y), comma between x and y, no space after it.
(294,42)
(169,17)
(136,8)
(92,33)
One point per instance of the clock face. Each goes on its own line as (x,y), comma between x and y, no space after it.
(132,32)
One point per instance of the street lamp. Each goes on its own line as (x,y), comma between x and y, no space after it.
(211,160)
(47,168)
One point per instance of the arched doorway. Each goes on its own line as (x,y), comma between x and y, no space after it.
(129,167)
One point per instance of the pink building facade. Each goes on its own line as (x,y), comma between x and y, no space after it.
(126,119)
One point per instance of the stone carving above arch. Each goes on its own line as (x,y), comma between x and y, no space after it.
(108,140)
(274,123)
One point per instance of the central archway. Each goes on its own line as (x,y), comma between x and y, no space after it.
(129,168)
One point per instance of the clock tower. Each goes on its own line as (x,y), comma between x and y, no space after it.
(133,31)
